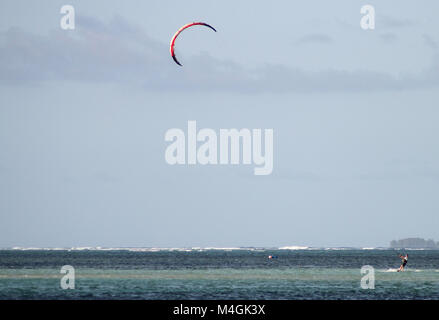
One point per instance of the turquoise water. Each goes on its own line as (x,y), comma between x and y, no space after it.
(217,274)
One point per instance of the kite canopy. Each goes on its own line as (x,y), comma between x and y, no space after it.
(178,33)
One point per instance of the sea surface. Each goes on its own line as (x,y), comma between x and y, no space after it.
(228,273)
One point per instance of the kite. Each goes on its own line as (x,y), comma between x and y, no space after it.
(178,33)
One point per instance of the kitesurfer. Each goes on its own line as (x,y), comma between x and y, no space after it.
(403,262)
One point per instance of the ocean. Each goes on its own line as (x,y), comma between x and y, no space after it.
(228,273)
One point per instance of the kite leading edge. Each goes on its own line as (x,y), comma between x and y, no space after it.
(178,33)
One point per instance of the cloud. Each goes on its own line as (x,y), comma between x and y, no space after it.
(119,52)
(429,41)
(388,37)
(317,38)
(93,52)
(393,23)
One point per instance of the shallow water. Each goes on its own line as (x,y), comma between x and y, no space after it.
(217,274)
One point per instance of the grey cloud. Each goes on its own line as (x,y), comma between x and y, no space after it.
(429,41)
(93,52)
(408,174)
(317,38)
(392,22)
(106,178)
(118,52)
(388,37)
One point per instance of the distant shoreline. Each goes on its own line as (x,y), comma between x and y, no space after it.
(187,249)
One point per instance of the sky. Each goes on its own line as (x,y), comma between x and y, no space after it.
(83,115)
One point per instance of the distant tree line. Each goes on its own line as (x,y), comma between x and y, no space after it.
(415,243)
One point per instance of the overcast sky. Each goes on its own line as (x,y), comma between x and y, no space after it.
(83,115)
